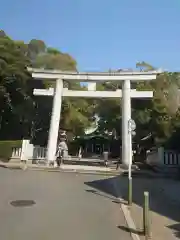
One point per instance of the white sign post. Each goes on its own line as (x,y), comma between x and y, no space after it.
(131,128)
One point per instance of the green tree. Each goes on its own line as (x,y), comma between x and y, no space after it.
(13,89)
(18,107)
(159,114)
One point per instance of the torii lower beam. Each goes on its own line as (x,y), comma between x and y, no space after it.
(93,94)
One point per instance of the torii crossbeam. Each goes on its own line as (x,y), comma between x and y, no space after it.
(126,93)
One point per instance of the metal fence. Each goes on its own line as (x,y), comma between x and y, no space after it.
(37,153)
(16,152)
(162,157)
(171,158)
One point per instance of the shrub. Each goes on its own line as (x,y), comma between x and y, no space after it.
(6,148)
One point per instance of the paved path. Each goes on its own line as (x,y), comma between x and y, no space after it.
(68,206)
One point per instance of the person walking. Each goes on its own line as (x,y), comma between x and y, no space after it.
(62,150)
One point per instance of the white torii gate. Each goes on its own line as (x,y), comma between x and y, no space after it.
(126,93)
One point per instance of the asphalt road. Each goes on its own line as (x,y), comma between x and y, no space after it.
(66,206)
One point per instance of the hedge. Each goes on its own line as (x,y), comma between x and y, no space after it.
(6,148)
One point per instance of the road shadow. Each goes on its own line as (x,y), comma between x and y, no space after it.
(131,230)
(100,194)
(176,229)
(103,185)
(104,188)
(161,201)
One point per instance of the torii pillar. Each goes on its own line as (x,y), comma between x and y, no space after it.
(126,113)
(55,119)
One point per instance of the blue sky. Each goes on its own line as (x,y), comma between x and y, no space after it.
(100,34)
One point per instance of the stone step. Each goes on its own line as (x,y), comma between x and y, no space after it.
(14,160)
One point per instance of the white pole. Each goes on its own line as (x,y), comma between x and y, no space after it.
(126,116)
(55,118)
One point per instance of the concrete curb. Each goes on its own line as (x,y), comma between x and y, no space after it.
(94,172)
(125,209)
(77,172)
(49,169)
